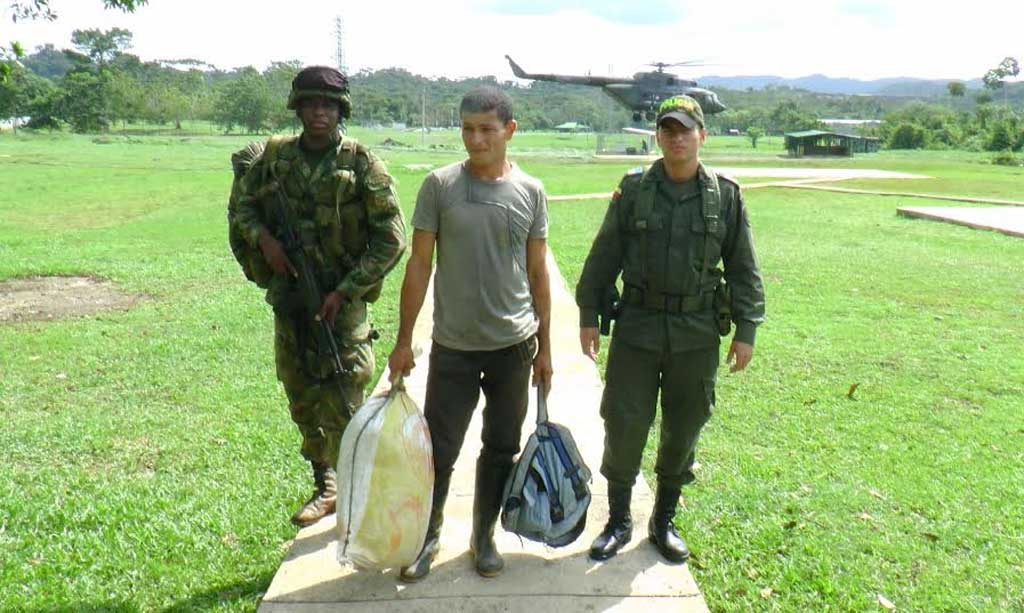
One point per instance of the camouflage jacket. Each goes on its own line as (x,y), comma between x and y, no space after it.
(350,223)
(663,257)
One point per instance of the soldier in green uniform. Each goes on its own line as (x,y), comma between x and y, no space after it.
(343,202)
(666,230)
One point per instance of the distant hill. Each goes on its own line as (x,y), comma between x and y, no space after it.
(897,86)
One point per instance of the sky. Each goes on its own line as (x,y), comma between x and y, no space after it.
(864,39)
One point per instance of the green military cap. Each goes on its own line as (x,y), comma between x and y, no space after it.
(321,81)
(683,109)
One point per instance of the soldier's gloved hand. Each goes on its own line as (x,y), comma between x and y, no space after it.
(273,253)
(590,342)
(401,362)
(329,309)
(739,356)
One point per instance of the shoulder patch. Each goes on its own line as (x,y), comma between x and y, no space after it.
(632,176)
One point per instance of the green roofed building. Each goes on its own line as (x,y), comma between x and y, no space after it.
(819,142)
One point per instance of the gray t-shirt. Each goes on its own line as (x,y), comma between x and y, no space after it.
(482,297)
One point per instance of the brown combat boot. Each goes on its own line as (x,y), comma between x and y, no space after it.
(322,501)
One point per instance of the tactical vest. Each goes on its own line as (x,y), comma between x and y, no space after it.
(640,223)
(336,234)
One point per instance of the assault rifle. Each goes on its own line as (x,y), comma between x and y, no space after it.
(305,285)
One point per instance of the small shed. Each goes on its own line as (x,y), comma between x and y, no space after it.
(572,126)
(820,142)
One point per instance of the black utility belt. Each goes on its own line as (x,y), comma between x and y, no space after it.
(670,303)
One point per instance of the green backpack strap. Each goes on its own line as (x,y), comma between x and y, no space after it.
(711,207)
(347,153)
(270,153)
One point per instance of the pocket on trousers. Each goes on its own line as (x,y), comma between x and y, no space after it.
(528,350)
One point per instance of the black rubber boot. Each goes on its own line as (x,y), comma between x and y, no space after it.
(660,530)
(324,497)
(420,567)
(619,529)
(490,486)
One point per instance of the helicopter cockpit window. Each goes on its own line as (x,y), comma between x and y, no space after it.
(671,81)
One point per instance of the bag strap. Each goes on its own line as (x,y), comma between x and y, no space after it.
(346,158)
(270,154)
(711,205)
(542,406)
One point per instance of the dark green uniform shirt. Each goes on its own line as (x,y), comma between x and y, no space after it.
(663,255)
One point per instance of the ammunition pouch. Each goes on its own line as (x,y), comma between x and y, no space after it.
(669,303)
(723,308)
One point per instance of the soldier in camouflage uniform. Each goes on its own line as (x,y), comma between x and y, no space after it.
(665,231)
(352,231)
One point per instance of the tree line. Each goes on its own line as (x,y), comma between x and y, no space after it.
(98,85)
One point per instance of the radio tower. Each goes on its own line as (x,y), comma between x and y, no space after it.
(339,39)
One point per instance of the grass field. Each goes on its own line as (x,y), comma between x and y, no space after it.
(150,462)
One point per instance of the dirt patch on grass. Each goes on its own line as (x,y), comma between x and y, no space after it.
(46,298)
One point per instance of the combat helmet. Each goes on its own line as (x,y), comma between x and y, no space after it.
(321,81)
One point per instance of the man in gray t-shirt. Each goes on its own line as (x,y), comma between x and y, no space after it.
(488,221)
(482,298)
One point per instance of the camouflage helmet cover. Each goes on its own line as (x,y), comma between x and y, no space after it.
(683,109)
(321,81)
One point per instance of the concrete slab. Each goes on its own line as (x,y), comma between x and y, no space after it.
(1008,220)
(536,578)
(925,196)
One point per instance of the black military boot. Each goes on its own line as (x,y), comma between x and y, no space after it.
(420,567)
(660,530)
(324,497)
(490,486)
(619,529)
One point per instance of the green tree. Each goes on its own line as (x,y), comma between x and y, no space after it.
(278,77)
(787,116)
(754,133)
(124,95)
(956,89)
(245,102)
(102,46)
(40,9)
(1009,67)
(85,103)
(907,136)
(999,138)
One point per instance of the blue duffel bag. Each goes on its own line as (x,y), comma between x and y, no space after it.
(547,495)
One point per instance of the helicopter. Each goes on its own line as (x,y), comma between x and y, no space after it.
(641,93)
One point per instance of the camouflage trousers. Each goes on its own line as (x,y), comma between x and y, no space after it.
(320,405)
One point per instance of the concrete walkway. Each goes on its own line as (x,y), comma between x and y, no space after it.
(1008,220)
(536,579)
